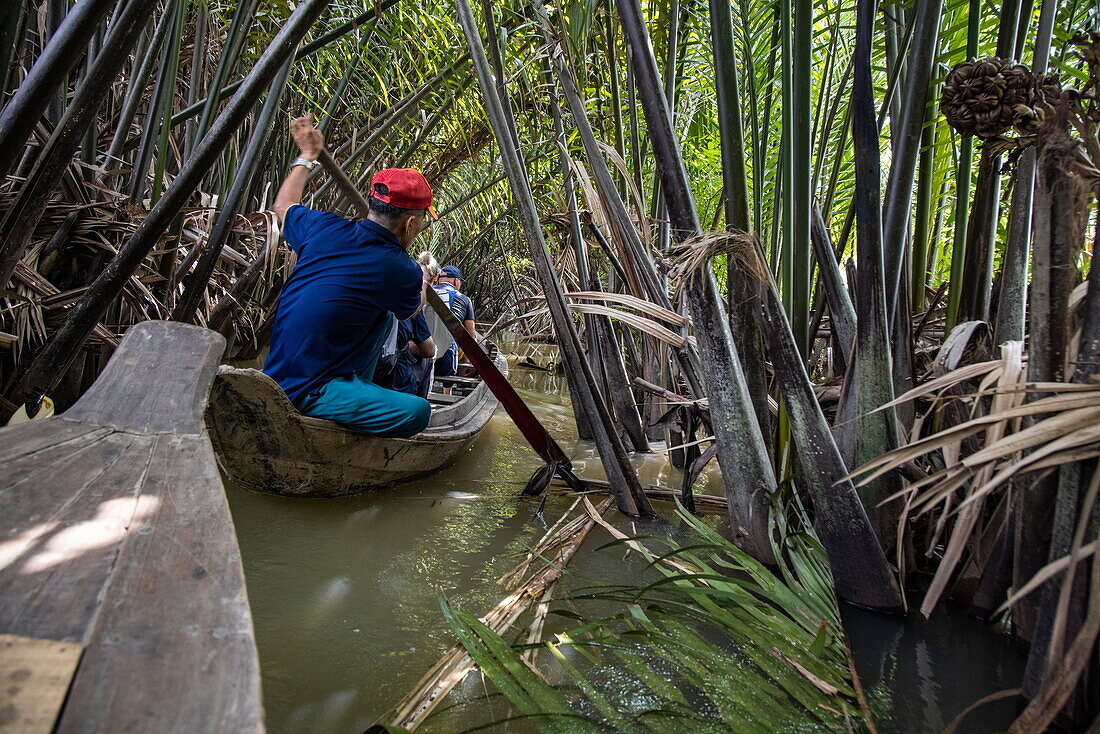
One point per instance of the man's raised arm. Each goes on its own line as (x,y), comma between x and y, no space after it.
(310,143)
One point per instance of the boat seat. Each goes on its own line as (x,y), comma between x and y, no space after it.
(456,380)
(441,399)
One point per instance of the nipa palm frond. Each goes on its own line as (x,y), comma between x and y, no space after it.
(751,650)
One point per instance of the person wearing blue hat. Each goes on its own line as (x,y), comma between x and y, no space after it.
(448,284)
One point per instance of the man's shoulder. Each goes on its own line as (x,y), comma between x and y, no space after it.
(303,226)
(301,214)
(411,268)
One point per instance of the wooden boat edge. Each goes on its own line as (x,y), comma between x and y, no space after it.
(327,471)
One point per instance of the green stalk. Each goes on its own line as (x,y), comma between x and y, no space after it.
(337,96)
(170,70)
(55,12)
(576,238)
(907,134)
(893,82)
(185,309)
(784,224)
(748,477)
(842,314)
(974,303)
(639,260)
(235,38)
(381,125)
(924,212)
(744,298)
(958,241)
(496,58)
(403,158)
(759,142)
(801,169)
(613,73)
(962,188)
(864,431)
(821,105)
(1012,302)
(60,56)
(198,70)
(153,117)
(55,157)
(863,575)
(1052,239)
(635,134)
(895,56)
(823,131)
(731,129)
(135,91)
(624,481)
(322,41)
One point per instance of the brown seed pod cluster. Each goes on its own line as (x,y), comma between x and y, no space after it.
(987,97)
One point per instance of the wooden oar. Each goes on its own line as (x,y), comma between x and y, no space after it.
(535,433)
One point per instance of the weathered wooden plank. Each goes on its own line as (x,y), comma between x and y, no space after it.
(34,488)
(115,534)
(29,438)
(175,637)
(456,380)
(157,381)
(34,677)
(53,585)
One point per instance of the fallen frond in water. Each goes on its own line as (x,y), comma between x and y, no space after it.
(717,643)
(553,552)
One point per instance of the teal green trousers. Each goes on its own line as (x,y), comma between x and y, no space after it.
(356,402)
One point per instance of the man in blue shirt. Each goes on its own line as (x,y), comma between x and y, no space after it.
(336,309)
(447,286)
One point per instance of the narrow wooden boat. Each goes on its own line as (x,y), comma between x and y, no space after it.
(266,445)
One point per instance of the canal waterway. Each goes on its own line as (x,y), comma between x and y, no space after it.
(344,593)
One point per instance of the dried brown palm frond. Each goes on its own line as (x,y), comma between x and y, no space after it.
(636,198)
(639,304)
(1065,427)
(1067,665)
(690,256)
(648,326)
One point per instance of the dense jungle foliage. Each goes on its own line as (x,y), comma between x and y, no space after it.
(842,248)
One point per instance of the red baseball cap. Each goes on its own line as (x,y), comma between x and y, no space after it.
(408,189)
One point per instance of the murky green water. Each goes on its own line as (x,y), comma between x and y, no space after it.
(344,592)
(345,605)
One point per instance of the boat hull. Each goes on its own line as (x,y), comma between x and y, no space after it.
(264,444)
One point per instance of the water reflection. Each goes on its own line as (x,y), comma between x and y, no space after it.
(918,675)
